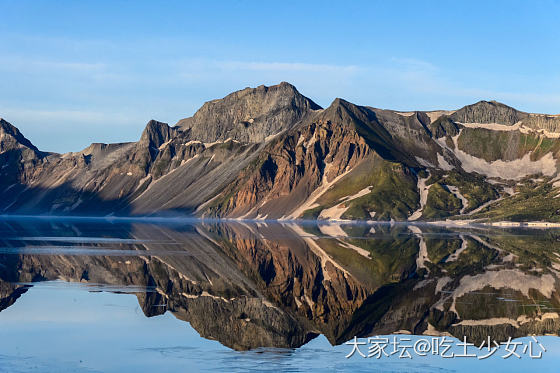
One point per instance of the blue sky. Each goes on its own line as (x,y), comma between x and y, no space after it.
(76,72)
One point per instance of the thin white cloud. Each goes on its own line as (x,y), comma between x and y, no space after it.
(190,67)
(68,116)
(285,66)
(28,64)
(414,64)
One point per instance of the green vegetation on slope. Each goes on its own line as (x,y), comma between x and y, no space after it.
(393,192)
(505,145)
(533,202)
(441,248)
(472,186)
(441,203)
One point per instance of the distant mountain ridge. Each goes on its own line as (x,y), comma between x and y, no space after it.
(270,152)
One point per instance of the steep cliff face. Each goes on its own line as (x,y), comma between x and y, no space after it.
(12,139)
(18,156)
(272,152)
(156,134)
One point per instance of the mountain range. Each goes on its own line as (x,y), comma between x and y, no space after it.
(272,153)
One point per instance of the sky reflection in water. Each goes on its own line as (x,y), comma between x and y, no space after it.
(57,326)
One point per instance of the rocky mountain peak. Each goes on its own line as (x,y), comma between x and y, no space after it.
(488,112)
(156,133)
(11,138)
(249,115)
(344,112)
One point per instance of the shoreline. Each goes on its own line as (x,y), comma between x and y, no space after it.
(179,219)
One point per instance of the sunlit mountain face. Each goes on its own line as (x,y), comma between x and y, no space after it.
(272,153)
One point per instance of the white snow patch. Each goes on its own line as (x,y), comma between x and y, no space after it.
(484,205)
(336,211)
(509,190)
(423,252)
(205,294)
(431,330)
(309,301)
(434,115)
(423,190)
(456,254)
(424,162)
(443,163)
(209,144)
(523,319)
(542,224)
(514,170)
(255,209)
(333,230)
(317,250)
(270,137)
(164,145)
(494,126)
(516,127)
(421,284)
(143,180)
(485,243)
(402,331)
(509,258)
(491,321)
(359,250)
(361,193)
(457,193)
(310,202)
(509,278)
(76,204)
(311,141)
(441,283)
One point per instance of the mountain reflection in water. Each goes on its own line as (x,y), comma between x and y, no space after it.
(250,285)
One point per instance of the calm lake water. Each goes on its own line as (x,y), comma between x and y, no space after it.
(93,295)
